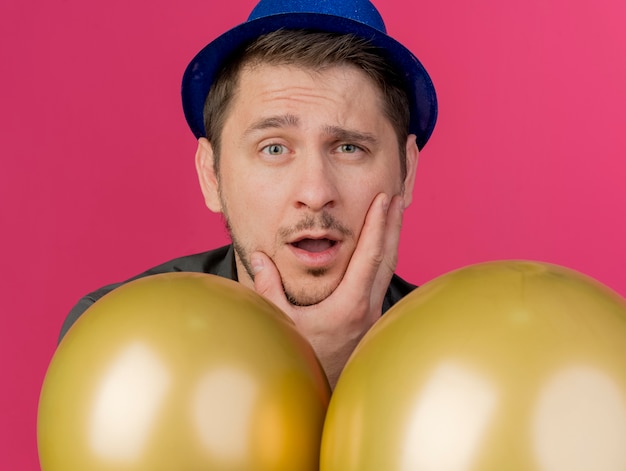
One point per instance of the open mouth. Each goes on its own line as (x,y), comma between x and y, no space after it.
(314,245)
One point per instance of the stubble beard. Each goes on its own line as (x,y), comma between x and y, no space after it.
(302,296)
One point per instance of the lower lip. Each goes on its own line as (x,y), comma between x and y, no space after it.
(316,259)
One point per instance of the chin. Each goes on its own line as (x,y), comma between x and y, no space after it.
(312,292)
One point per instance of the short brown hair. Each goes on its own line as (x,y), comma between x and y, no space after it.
(317,51)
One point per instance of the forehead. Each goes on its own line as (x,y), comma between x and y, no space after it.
(342,93)
(334,75)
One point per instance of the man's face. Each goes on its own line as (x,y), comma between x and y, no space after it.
(303,155)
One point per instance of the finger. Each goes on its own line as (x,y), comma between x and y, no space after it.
(267,281)
(370,249)
(391,242)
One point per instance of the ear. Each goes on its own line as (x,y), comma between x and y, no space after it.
(412,156)
(206,175)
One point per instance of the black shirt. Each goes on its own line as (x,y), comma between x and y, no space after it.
(219,262)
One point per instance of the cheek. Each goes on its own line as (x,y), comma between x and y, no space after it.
(360,193)
(251,206)
(382,180)
(358,201)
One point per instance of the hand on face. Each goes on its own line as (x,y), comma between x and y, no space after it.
(335,325)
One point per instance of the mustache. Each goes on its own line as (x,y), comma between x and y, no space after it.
(323,221)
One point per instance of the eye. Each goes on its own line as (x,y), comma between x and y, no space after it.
(274,149)
(348,148)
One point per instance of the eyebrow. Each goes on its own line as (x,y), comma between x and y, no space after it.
(291,121)
(279,121)
(349,135)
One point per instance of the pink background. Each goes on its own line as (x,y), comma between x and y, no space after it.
(98,183)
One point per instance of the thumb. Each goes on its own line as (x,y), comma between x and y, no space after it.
(267,281)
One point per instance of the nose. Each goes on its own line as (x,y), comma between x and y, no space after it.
(315,186)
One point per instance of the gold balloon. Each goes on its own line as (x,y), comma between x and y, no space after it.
(182,371)
(511,365)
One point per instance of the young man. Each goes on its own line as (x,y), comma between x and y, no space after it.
(309,121)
